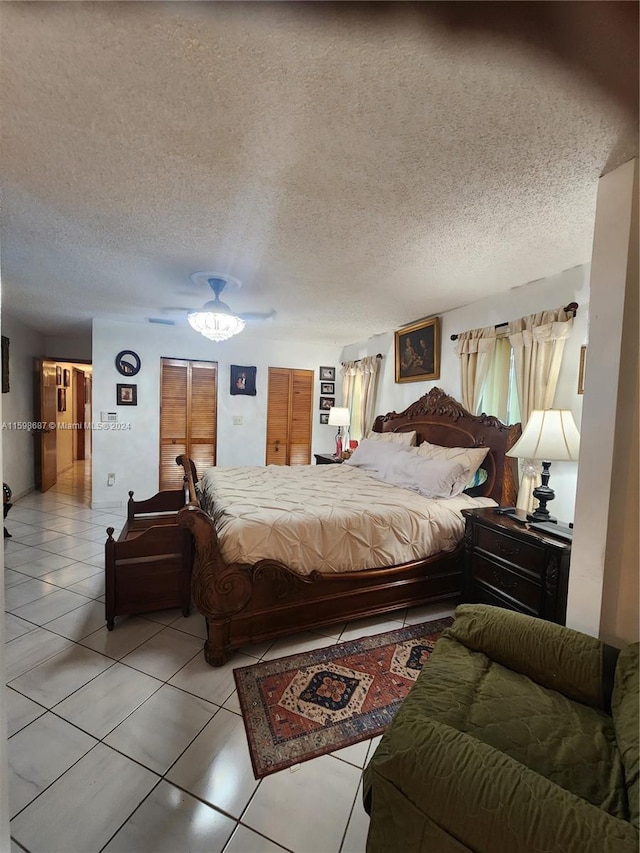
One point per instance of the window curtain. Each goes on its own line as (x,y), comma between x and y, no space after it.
(475,350)
(368,371)
(358,393)
(538,344)
(495,395)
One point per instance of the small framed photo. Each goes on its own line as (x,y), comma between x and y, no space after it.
(327,402)
(126,395)
(583,358)
(324,417)
(58,376)
(62,399)
(327,388)
(243,380)
(327,374)
(67,377)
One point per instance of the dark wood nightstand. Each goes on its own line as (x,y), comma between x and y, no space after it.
(510,565)
(327,459)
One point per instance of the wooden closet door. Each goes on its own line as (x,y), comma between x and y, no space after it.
(300,419)
(188,421)
(278,416)
(174,380)
(203,415)
(289,412)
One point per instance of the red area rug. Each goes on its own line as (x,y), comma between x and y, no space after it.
(298,707)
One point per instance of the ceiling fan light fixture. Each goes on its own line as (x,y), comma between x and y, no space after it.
(216,321)
(215,325)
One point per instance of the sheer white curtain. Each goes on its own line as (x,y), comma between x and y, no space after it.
(475,350)
(496,394)
(368,372)
(538,345)
(358,393)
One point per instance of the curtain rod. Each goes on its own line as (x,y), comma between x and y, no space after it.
(378,355)
(571,308)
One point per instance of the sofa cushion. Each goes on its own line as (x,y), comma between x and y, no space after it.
(626,721)
(571,744)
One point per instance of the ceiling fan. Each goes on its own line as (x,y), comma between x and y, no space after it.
(215,320)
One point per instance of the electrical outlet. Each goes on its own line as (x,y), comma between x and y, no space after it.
(111,479)
(238,420)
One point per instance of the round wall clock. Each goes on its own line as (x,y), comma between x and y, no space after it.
(128,362)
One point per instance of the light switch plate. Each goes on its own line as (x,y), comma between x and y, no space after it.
(238,420)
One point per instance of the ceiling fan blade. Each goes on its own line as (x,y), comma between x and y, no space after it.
(250,316)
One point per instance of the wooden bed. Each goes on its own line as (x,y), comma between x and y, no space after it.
(244,604)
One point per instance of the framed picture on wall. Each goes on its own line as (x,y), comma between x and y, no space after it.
(327,388)
(62,399)
(66,375)
(58,375)
(5,364)
(583,358)
(327,402)
(328,374)
(243,380)
(324,417)
(418,351)
(126,395)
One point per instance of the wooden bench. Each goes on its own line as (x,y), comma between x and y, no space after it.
(149,566)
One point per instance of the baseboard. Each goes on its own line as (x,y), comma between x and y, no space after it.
(107,504)
(16,496)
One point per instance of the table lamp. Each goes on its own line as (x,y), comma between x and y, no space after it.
(549,436)
(339,416)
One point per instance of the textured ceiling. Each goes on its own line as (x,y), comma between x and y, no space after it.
(354,177)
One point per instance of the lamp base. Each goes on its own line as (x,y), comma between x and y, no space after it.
(536,515)
(543,494)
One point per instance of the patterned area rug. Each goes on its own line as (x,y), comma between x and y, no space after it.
(298,707)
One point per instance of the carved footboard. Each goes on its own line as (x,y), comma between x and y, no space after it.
(244,604)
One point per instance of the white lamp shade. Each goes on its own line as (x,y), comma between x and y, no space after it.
(550,435)
(339,416)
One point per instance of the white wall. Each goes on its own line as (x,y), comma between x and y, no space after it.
(569,286)
(133,454)
(17,406)
(68,348)
(606,531)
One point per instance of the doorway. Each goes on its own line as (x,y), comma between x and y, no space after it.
(62,405)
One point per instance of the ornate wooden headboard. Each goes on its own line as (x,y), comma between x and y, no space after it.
(440,419)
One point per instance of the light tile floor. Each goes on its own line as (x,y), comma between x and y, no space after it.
(127,741)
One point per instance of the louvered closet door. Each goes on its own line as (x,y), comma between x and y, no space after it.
(289,411)
(202,434)
(278,416)
(300,420)
(188,394)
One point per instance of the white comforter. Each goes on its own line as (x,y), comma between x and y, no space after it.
(329,518)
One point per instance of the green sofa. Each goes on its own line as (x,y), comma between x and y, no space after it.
(519,736)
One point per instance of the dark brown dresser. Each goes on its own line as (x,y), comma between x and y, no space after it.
(511,565)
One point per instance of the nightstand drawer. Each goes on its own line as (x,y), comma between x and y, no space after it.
(525,592)
(522,554)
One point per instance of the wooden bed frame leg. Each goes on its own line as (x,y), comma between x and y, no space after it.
(216,648)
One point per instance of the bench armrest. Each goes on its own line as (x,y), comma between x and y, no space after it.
(577,665)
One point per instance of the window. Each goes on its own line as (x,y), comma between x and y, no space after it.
(500,394)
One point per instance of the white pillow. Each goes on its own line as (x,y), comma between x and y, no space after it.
(432,478)
(470,457)
(373,455)
(406,438)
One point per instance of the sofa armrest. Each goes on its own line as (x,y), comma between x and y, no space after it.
(435,789)
(575,664)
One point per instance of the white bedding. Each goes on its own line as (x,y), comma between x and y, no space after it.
(329,518)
